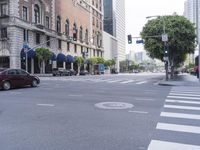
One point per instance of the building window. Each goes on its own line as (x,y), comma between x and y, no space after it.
(47,22)
(92,2)
(67,28)
(75,31)
(58,26)
(100,25)
(86,36)
(81,34)
(93,21)
(25,13)
(75,48)
(97,25)
(26,36)
(37,14)
(59,44)
(68,46)
(48,41)
(37,38)
(4,33)
(4,9)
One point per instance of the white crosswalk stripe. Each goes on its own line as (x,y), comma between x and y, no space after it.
(97,80)
(181,99)
(164,145)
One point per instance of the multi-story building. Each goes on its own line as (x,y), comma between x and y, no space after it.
(114,24)
(191,12)
(67,28)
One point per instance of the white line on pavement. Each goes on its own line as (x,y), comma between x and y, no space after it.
(182,97)
(163,145)
(180,101)
(141,82)
(178,128)
(180,115)
(144,99)
(182,107)
(48,105)
(114,81)
(129,81)
(178,94)
(138,112)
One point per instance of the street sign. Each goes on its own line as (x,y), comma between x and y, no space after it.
(139,41)
(164,37)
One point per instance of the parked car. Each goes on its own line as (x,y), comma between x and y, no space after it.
(11,78)
(72,72)
(84,72)
(60,72)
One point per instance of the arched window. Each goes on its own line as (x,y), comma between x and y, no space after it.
(67,28)
(81,34)
(86,36)
(75,31)
(37,13)
(58,26)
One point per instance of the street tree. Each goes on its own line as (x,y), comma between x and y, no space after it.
(181,38)
(80,62)
(92,62)
(43,55)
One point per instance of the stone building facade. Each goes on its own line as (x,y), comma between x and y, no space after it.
(67,28)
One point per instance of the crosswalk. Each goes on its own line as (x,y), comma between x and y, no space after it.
(179,124)
(99,80)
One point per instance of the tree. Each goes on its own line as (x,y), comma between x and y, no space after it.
(181,38)
(92,62)
(100,60)
(43,55)
(80,62)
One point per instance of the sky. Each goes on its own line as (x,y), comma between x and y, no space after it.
(138,10)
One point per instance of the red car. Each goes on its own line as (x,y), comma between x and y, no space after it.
(10,78)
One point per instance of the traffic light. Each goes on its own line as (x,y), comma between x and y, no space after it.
(129,39)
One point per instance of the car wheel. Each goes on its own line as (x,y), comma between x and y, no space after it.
(34,83)
(6,85)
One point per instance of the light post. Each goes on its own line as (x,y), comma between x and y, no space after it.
(164,39)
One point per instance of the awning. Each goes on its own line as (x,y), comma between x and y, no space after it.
(53,58)
(31,53)
(61,57)
(70,58)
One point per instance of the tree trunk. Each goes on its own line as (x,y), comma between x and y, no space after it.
(79,69)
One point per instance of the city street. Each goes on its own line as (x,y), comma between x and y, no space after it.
(65,113)
(107,112)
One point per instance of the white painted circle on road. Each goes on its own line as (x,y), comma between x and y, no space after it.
(114,105)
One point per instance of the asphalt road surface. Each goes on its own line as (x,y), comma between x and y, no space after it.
(107,112)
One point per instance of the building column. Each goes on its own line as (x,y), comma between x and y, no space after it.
(72,66)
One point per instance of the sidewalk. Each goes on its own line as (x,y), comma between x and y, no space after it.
(181,80)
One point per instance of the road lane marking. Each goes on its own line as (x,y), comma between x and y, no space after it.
(180,101)
(180,115)
(129,81)
(178,128)
(47,105)
(163,145)
(141,82)
(178,94)
(185,92)
(182,97)
(144,99)
(182,107)
(114,81)
(139,112)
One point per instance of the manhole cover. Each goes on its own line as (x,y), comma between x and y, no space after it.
(114,105)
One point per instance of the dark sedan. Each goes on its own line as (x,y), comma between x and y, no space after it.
(10,78)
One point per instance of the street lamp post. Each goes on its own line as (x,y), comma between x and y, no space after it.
(164,39)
